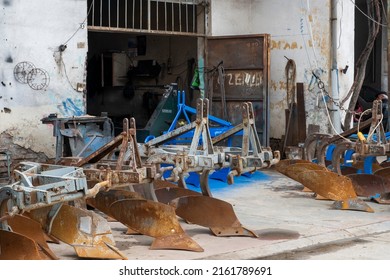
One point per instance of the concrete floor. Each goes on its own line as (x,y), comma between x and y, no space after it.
(291,225)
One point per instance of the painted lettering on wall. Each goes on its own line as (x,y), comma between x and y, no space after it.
(253,79)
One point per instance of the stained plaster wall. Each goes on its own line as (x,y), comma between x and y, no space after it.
(31,31)
(300,30)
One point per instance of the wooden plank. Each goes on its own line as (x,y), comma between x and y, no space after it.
(291,126)
(294,126)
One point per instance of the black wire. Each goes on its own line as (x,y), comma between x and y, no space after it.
(66,75)
(82,25)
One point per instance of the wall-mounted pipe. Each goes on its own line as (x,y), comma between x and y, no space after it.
(335,114)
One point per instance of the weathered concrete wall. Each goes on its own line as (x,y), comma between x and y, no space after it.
(300,30)
(31,32)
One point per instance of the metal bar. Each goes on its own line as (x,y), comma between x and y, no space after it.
(136,30)
(102,151)
(256,145)
(178,1)
(157,2)
(186,17)
(86,146)
(126,12)
(227,134)
(301,112)
(117,13)
(173,18)
(193,19)
(199,127)
(171,135)
(180,16)
(140,14)
(165,15)
(125,140)
(109,13)
(101,12)
(206,136)
(65,198)
(149,15)
(133,12)
(93,12)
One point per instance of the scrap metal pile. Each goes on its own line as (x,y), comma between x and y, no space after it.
(349,170)
(140,185)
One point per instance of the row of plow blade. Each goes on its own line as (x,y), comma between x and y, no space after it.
(128,182)
(349,169)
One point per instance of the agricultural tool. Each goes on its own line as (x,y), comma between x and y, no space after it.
(125,180)
(348,167)
(33,210)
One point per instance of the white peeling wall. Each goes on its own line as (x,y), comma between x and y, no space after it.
(300,30)
(31,32)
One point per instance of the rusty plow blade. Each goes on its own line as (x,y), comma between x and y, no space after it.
(347,170)
(156,220)
(191,206)
(334,187)
(32,230)
(87,232)
(385,164)
(384,172)
(16,246)
(283,164)
(218,215)
(103,200)
(294,170)
(373,186)
(166,195)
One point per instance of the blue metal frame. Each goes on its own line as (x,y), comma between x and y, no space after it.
(185,110)
(368,161)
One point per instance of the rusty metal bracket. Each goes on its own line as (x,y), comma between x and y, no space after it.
(376,124)
(317,143)
(39,191)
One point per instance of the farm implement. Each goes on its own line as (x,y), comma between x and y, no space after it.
(140,185)
(347,168)
(34,208)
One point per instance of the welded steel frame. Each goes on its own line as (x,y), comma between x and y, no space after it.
(39,185)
